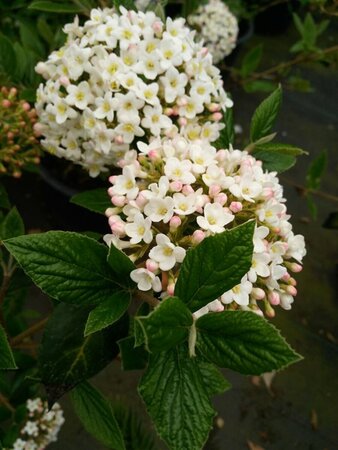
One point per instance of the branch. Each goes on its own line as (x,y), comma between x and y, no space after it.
(305,190)
(29,332)
(144,297)
(4,401)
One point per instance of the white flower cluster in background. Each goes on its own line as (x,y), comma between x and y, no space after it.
(122,78)
(174,192)
(42,426)
(217,26)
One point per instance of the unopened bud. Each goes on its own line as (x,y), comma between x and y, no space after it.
(174,223)
(274,298)
(217,116)
(221,198)
(118,200)
(258,293)
(214,190)
(198,236)
(176,186)
(152,265)
(236,207)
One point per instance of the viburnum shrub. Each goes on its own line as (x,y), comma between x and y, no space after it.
(202,250)
(217,26)
(122,78)
(19,146)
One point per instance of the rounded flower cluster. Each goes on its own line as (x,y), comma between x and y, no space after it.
(174,192)
(18,144)
(121,78)
(217,26)
(42,426)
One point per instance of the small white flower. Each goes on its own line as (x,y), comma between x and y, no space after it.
(160,209)
(259,266)
(155,120)
(296,247)
(146,280)
(80,95)
(215,218)
(139,229)
(166,253)
(239,293)
(177,170)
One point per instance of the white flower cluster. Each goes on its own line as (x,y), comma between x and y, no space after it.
(121,78)
(42,426)
(174,192)
(217,26)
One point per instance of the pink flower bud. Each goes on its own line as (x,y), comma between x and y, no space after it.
(268,193)
(157,26)
(182,101)
(112,179)
(175,111)
(292,281)
(153,155)
(269,311)
(286,277)
(26,106)
(291,290)
(221,198)
(214,190)
(141,201)
(182,121)
(294,267)
(171,289)
(64,81)
(109,212)
(118,200)
(13,91)
(118,228)
(152,265)
(221,155)
(119,140)
(198,236)
(204,51)
(217,116)
(38,128)
(168,111)
(6,103)
(258,293)
(187,189)
(274,298)
(174,223)
(214,107)
(10,135)
(216,306)
(236,207)
(176,186)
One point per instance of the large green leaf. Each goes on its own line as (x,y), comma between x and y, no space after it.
(97,417)
(108,312)
(4,200)
(316,171)
(176,392)
(243,341)
(265,115)
(7,56)
(277,156)
(66,357)
(6,356)
(167,326)
(56,7)
(67,266)
(251,60)
(96,200)
(214,266)
(121,266)
(12,225)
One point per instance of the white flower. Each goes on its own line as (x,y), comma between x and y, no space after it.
(106,107)
(174,83)
(160,209)
(139,229)
(259,266)
(179,170)
(246,189)
(259,235)
(126,184)
(296,247)
(80,95)
(215,218)
(166,253)
(62,111)
(146,280)
(155,120)
(184,205)
(239,293)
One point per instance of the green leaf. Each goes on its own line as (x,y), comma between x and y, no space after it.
(12,225)
(128,4)
(176,393)
(316,171)
(251,60)
(66,357)
(277,156)
(45,30)
(227,135)
(22,62)
(132,358)
(96,200)
(312,206)
(242,341)
(274,161)
(108,312)
(55,7)
(97,417)
(259,86)
(69,267)
(265,115)
(30,39)
(121,266)
(7,360)
(214,266)
(7,55)
(4,200)
(298,23)
(215,383)
(167,326)
(190,6)
(136,436)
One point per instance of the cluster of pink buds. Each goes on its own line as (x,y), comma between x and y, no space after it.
(19,146)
